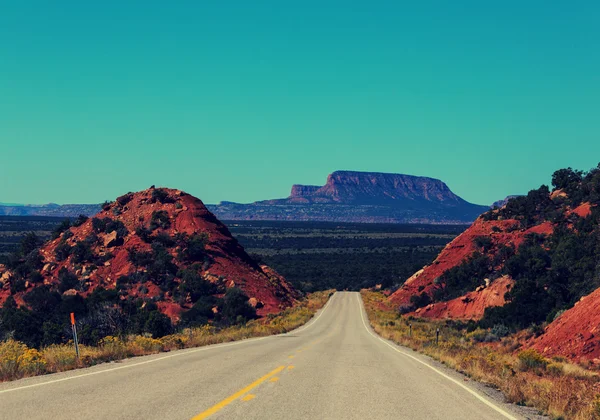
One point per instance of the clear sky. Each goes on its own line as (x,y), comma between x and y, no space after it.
(238,100)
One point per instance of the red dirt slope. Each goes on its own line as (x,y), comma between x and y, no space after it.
(502,232)
(470,306)
(576,333)
(227,264)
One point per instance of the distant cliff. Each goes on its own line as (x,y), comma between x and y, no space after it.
(65,210)
(369,197)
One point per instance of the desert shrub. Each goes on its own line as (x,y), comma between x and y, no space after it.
(146,344)
(161,195)
(81,219)
(36,277)
(155,323)
(42,299)
(194,249)
(164,239)
(17,286)
(62,251)
(63,227)
(108,225)
(404,309)
(81,252)
(500,330)
(478,335)
(418,301)
(114,346)
(201,312)
(554,369)
(463,278)
(67,280)
(484,243)
(10,353)
(106,205)
(193,284)
(124,199)
(532,360)
(139,258)
(159,219)
(144,234)
(29,243)
(236,308)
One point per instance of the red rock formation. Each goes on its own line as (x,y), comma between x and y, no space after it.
(470,306)
(575,334)
(228,264)
(502,232)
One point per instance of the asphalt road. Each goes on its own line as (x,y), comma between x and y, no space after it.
(334,367)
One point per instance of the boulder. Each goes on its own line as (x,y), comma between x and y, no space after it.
(110,239)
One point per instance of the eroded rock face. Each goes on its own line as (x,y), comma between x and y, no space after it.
(472,305)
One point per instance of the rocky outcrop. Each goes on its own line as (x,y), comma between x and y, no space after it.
(472,305)
(51,210)
(99,252)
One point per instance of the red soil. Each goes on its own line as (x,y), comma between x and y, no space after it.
(575,334)
(470,306)
(230,265)
(584,210)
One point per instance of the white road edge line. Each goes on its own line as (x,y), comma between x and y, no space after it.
(466,388)
(310,323)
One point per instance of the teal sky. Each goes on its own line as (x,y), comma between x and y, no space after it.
(238,100)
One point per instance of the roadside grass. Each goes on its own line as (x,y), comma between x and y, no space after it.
(555,387)
(19,361)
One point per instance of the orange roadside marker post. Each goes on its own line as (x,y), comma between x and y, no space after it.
(74,329)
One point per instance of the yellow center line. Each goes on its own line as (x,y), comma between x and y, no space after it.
(291,356)
(274,379)
(219,406)
(290,367)
(248,397)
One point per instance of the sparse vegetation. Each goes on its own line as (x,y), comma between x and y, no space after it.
(556,387)
(18,360)
(159,219)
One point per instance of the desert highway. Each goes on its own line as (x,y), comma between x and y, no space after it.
(334,367)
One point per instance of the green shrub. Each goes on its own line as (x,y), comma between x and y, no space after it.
(532,360)
(62,251)
(81,252)
(67,280)
(194,248)
(160,219)
(81,219)
(64,226)
(161,195)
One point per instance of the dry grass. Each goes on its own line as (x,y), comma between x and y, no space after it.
(556,387)
(19,361)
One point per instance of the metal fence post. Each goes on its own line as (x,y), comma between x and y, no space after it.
(437,336)
(410,330)
(74,329)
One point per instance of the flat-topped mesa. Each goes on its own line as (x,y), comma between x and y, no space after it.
(384,188)
(361,197)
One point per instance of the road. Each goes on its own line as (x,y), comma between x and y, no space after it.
(334,367)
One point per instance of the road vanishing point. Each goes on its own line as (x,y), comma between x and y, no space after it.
(334,367)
